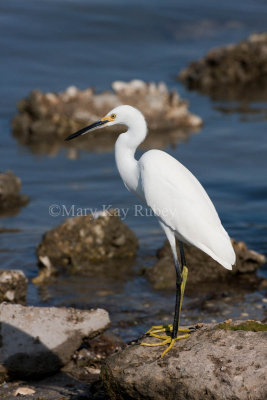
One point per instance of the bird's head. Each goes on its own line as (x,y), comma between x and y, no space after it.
(121,115)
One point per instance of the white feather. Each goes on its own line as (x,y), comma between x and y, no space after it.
(179,200)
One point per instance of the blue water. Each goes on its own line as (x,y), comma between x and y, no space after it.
(51,45)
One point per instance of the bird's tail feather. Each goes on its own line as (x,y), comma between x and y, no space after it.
(221,251)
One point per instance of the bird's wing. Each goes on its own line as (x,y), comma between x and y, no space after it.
(180,202)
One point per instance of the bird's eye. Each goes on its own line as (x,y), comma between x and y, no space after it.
(113,116)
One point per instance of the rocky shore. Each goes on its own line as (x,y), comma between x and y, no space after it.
(67,353)
(45,119)
(49,350)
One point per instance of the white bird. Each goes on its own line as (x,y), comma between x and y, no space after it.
(182,206)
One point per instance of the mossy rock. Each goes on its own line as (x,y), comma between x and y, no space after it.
(249,325)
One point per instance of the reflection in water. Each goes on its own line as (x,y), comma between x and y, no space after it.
(134,307)
(248,111)
(104,141)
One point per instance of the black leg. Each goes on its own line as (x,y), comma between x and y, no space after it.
(177,307)
(178,291)
(183,261)
(176,319)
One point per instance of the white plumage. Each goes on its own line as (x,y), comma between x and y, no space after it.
(182,206)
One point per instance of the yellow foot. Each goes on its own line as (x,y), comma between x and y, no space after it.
(164,328)
(166,340)
(167,329)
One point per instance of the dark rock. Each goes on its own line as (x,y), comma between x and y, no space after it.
(44,120)
(211,364)
(13,286)
(202,268)
(99,348)
(88,359)
(81,243)
(236,72)
(38,341)
(60,386)
(10,198)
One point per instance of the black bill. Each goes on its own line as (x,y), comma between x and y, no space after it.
(86,129)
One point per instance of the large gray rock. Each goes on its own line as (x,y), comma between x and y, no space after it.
(212,364)
(13,286)
(38,341)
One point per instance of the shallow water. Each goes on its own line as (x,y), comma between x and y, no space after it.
(54,44)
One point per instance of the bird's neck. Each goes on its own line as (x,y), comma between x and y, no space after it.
(125,148)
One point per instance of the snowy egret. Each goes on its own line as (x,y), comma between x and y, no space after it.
(182,206)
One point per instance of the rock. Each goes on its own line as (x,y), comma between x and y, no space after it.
(235,72)
(202,268)
(13,286)
(211,364)
(24,391)
(38,341)
(94,351)
(45,119)
(83,242)
(89,357)
(10,198)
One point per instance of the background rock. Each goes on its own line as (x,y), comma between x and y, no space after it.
(13,286)
(83,242)
(45,119)
(202,268)
(231,72)
(38,341)
(211,364)
(10,198)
